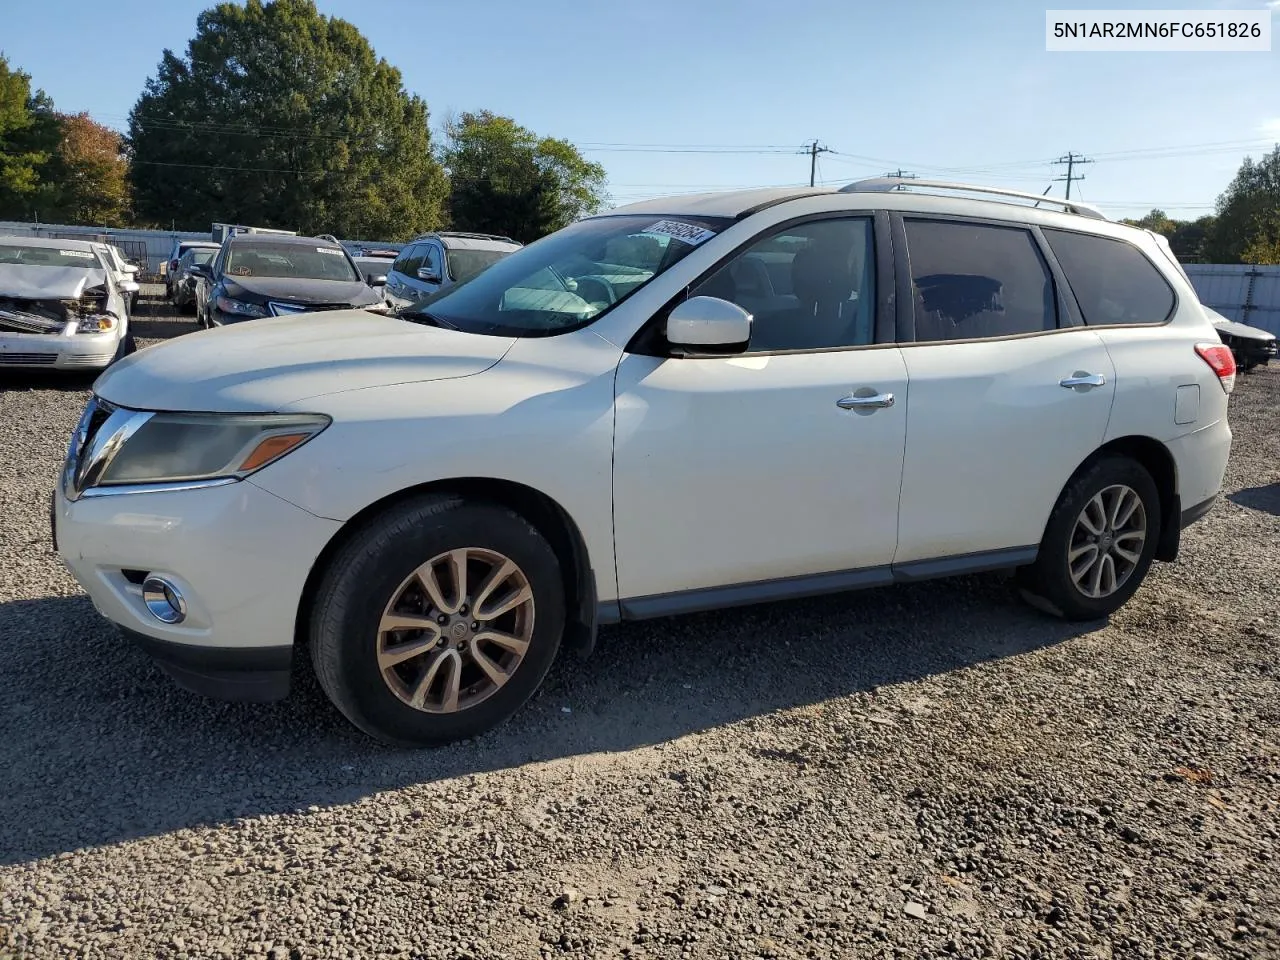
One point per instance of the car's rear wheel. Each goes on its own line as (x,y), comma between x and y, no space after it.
(437,621)
(1099,543)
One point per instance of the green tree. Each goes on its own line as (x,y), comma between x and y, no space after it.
(1247,228)
(1186,237)
(506,179)
(279,116)
(29,132)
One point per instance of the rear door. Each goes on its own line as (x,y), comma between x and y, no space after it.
(1010,392)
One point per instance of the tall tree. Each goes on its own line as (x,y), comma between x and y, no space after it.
(1247,228)
(28,137)
(280,116)
(87,177)
(506,179)
(1186,237)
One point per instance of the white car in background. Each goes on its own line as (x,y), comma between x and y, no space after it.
(684,404)
(123,273)
(61,306)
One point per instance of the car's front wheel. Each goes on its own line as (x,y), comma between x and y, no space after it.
(437,620)
(1099,543)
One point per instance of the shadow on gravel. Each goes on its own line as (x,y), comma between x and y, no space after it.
(1266,499)
(97,746)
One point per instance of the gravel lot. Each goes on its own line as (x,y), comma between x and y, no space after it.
(921,771)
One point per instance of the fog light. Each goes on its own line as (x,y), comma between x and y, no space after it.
(163,600)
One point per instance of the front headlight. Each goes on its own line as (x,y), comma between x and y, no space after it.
(96,323)
(240,307)
(176,447)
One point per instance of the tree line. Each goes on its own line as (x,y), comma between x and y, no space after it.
(280,116)
(1245,227)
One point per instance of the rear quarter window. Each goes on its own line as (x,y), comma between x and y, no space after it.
(1113,281)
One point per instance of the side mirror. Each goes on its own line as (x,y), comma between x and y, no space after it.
(708,326)
(378,281)
(199,270)
(130,268)
(428,275)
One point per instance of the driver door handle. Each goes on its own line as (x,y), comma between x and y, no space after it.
(1083,380)
(852,402)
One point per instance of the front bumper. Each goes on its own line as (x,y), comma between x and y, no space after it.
(47,351)
(240,557)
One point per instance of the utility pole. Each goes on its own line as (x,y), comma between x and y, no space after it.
(813,152)
(1071,159)
(899,174)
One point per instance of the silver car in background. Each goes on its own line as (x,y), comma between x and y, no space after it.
(61,306)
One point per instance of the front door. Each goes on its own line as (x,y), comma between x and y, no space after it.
(782,462)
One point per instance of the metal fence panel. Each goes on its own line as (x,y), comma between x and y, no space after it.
(148,247)
(1244,292)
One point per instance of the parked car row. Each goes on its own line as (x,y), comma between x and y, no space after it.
(256,274)
(64,304)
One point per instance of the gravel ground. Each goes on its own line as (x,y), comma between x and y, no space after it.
(920,771)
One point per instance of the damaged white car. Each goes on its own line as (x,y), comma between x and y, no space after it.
(60,306)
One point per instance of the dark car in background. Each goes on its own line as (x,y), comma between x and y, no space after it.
(1251,346)
(169,266)
(262,275)
(183,282)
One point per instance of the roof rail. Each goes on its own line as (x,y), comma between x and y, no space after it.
(463,233)
(885,184)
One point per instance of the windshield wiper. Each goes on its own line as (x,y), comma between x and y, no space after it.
(429,319)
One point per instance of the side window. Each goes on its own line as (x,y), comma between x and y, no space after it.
(431,260)
(1112,280)
(412,261)
(973,281)
(810,286)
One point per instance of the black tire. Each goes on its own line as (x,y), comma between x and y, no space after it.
(1047,584)
(365,573)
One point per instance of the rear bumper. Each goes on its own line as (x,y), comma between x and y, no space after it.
(1197,511)
(252,674)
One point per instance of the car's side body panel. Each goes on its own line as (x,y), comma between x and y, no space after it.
(546,423)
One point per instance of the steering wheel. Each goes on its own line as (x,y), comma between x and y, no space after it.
(596,289)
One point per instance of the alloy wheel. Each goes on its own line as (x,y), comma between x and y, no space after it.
(1107,540)
(455,630)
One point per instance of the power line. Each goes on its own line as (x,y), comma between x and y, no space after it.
(1071,159)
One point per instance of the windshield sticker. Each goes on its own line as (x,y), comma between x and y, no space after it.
(686,232)
(83,255)
(336,253)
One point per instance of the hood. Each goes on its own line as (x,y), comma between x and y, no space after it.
(30,282)
(299,291)
(266,365)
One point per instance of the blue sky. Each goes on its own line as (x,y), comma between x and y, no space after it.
(941,88)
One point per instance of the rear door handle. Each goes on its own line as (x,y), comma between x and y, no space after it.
(1083,380)
(852,402)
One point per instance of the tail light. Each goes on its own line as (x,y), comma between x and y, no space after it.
(1220,359)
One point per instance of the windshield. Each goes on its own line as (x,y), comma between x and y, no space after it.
(48,257)
(465,264)
(568,279)
(295,261)
(202,256)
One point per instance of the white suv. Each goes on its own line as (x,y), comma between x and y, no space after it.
(680,405)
